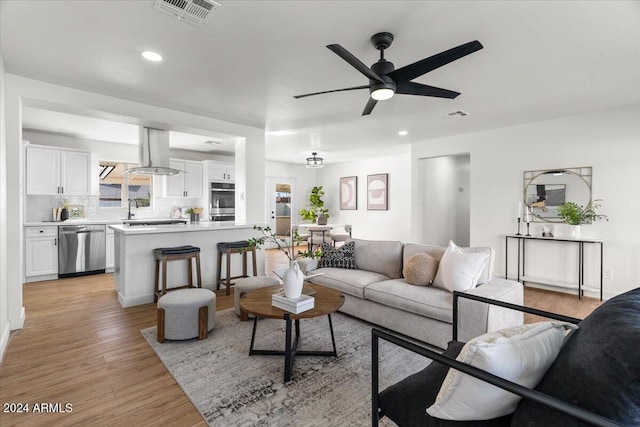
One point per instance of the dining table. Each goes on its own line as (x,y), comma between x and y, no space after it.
(321,232)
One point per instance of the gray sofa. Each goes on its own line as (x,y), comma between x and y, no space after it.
(376,292)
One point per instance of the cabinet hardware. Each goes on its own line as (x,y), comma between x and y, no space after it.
(42,231)
(62,189)
(55,242)
(58,191)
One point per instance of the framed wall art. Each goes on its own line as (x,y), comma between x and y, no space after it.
(349,193)
(377,192)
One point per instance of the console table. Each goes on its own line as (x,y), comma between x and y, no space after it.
(522,239)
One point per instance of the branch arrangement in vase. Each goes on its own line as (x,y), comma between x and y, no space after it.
(286,246)
(574,214)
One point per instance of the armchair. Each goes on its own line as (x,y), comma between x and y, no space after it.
(595,380)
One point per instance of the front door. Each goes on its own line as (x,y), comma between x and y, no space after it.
(280,205)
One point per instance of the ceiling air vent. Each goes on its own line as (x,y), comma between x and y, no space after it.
(460,113)
(195,12)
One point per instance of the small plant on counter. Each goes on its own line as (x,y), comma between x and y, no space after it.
(282,244)
(574,214)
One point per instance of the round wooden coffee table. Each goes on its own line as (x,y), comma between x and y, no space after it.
(258,303)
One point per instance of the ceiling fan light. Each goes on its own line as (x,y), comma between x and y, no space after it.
(382,94)
(314,161)
(151,56)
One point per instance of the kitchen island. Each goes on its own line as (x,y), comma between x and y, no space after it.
(135,264)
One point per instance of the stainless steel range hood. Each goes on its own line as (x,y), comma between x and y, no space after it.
(154,153)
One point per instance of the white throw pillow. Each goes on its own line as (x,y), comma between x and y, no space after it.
(459,270)
(521,354)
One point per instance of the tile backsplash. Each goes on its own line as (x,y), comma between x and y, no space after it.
(39,208)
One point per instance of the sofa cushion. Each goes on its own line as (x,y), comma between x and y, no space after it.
(459,270)
(420,270)
(350,282)
(406,402)
(598,368)
(521,354)
(341,257)
(426,301)
(384,257)
(436,252)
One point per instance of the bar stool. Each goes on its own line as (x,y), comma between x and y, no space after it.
(229,248)
(162,255)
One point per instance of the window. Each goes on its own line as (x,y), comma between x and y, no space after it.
(116,187)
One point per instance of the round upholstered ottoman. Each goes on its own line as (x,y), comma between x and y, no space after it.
(248,284)
(186,313)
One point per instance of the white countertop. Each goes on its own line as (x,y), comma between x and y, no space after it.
(71,222)
(179,228)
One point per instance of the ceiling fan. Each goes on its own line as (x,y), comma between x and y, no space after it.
(385,80)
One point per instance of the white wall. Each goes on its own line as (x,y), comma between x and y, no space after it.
(607,141)
(443,208)
(33,93)
(4,310)
(392,224)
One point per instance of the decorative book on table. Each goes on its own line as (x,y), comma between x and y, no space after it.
(294,305)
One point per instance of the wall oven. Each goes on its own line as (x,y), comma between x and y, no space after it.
(222,201)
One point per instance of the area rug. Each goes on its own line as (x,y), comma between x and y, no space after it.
(231,388)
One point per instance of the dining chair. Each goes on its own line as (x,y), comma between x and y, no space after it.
(341,236)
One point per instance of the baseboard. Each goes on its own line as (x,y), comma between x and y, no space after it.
(18,323)
(130,302)
(4,340)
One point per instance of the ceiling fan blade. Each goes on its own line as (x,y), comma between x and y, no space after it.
(411,88)
(354,62)
(411,71)
(329,91)
(369,107)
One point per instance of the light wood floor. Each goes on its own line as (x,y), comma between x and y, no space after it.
(79,346)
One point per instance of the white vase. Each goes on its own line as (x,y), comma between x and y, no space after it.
(576,231)
(293,280)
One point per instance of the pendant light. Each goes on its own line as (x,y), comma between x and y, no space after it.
(314,161)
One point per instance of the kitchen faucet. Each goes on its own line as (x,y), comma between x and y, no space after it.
(130,214)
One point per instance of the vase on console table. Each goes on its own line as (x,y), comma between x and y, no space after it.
(576,232)
(293,280)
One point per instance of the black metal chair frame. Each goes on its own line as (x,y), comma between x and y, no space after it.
(525,392)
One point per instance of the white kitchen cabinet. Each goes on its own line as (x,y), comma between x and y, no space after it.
(52,171)
(41,251)
(221,171)
(110,249)
(188,184)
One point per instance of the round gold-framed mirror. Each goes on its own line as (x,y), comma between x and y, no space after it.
(545,190)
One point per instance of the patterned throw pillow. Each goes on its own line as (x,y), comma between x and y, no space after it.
(338,258)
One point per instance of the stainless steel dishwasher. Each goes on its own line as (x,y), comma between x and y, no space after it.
(81,250)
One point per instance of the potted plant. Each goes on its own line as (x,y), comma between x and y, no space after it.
(194,214)
(317,213)
(576,215)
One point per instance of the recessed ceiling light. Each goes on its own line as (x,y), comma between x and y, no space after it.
(151,56)
(403,133)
